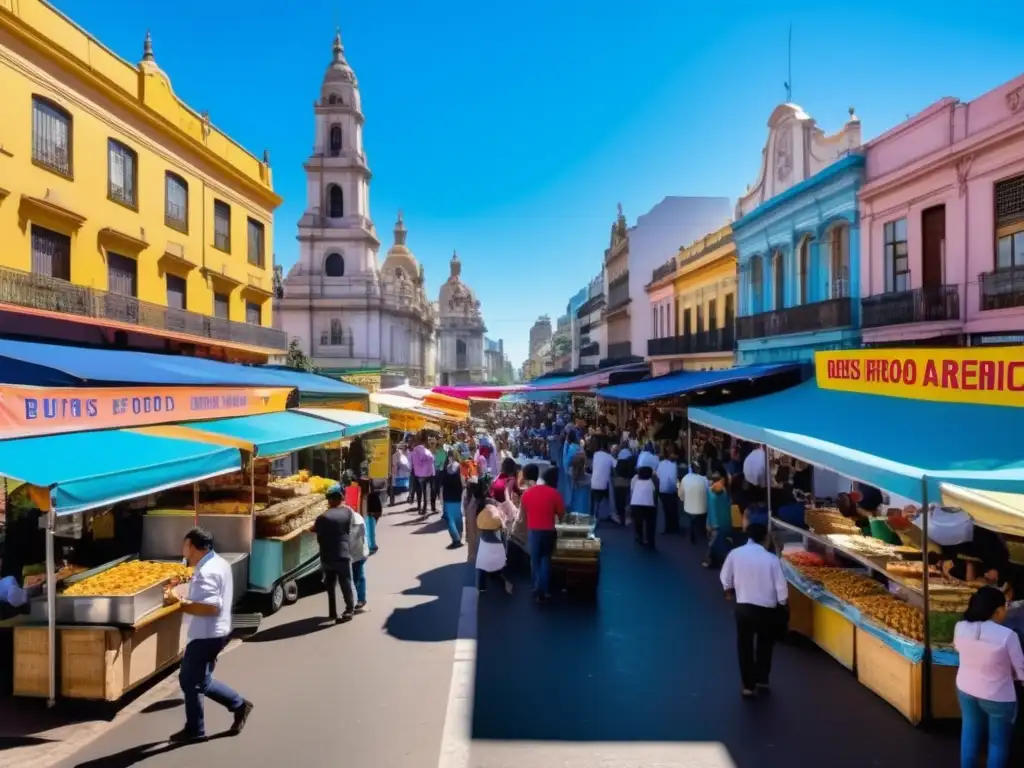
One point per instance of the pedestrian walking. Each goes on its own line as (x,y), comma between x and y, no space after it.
(401,469)
(491,557)
(693,490)
(451,500)
(643,495)
(542,505)
(208,613)
(333,531)
(602,466)
(360,548)
(752,576)
(440,451)
(668,486)
(423,474)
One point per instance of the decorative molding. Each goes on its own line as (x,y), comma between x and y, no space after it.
(1015,99)
(122,241)
(52,206)
(963,168)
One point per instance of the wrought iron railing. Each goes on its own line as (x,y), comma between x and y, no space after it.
(926,304)
(1002,288)
(618,292)
(50,294)
(718,340)
(832,313)
(664,270)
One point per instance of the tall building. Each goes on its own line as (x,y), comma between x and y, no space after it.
(591,342)
(540,333)
(347,312)
(126,218)
(495,362)
(460,332)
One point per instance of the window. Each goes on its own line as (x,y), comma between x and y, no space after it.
(122,174)
(1010,223)
(779,280)
(756,285)
(675,316)
(255,243)
(399,274)
(730,309)
(897,265)
(839,263)
(804,269)
(700,318)
(176,202)
(51,136)
(334,265)
(222,226)
(713,315)
(335,141)
(1010,251)
(51,253)
(654,320)
(332,99)
(253,313)
(686,322)
(337,333)
(335,202)
(122,275)
(222,306)
(177,292)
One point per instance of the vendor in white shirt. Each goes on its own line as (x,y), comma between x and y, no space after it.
(990,661)
(753,577)
(755,467)
(693,490)
(602,466)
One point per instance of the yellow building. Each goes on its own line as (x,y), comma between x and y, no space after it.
(693,307)
(125,216)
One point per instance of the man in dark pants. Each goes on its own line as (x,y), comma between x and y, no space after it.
(332,531)
(753,577)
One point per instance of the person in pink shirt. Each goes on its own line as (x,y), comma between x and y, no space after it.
(423,474)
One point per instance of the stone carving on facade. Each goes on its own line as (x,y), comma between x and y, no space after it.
(784,153)
(963,169)
(1015,99)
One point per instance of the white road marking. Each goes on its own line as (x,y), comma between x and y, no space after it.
(458,720)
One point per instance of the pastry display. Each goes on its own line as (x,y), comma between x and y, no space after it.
(844,583)
(910,569)
(128,579)
(893,614)
(804,559)
(826,521)
(289,515)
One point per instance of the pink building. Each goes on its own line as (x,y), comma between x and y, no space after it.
(942,225)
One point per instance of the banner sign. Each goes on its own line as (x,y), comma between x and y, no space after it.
(378,455)
(34,411)
(977,375)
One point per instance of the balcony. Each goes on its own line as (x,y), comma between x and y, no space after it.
(50,294)
(1002,289)
(590,350)
(664,270)
(619,350)
(618,293)
(707,342)
(821,315)
(928,304)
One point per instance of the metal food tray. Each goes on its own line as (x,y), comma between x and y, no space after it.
(117,610)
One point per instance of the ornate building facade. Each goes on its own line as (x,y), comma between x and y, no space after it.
(460,332)
(347,312)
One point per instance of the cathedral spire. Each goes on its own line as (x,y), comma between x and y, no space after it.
(400,230)
(339,49)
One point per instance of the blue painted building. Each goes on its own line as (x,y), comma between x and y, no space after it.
(797,237)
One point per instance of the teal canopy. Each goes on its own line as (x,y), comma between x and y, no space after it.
(895,444)
(86,470)
(273,434)
(352,422)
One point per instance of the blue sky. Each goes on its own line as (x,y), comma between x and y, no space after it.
(509,131)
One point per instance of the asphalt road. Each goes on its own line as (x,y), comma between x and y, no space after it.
(643,677)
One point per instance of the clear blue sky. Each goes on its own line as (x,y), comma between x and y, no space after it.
(510,130)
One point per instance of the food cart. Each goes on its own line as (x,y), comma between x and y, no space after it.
(103,641)
(576,562)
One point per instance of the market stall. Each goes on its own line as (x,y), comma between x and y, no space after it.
(576,562)
(97,633)
(901,421)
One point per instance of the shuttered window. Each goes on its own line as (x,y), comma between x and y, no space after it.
(221,306)
(221,225)
(256,242)
(123,170)
(177,289)
(51,136)
(51,253)
(122,275)
(253,313)
(176,203)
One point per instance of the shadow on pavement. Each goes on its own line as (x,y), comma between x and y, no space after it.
(433,526)
(160,706)
(435,621)
(653,660)
(296,628)
(140,753)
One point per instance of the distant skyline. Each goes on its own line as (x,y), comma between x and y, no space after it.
(509,133)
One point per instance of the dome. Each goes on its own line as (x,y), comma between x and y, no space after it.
(400,262)
(456,298)
(339,70)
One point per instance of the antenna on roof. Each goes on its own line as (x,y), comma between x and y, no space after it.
(789,67)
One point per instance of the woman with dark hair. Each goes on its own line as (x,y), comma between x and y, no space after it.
(451,499)
(643,495)
(990,660)
(505,482)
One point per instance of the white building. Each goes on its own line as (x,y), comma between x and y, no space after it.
(347,312)
(657,236)
(460,333)
(590,343)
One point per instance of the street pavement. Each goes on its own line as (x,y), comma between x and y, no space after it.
(644,676)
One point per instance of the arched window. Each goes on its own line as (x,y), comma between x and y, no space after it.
(332,99)
(335,202)
(334,265)
(756,285)
(337,332)
(335,142)
(839,261)
(779,280)
(399,274)
(803,271)
(461,361)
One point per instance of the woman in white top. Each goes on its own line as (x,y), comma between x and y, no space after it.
(990,660)
(642,504)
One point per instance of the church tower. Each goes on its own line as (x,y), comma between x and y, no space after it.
(336,232)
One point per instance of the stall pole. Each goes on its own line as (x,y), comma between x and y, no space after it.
(51,606)
(768,488)
(926,677)
(689,445)
(195,504)
(252,497)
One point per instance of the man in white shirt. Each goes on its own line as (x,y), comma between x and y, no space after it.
(647,458)
(208,613)
(693,490)
(753,577)
(668,479)
(755,469)
(600,475)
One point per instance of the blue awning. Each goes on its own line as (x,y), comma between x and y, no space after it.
(352,422)
(685,382)
(891,443)
(267,434)
(52,365)
(86,470)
